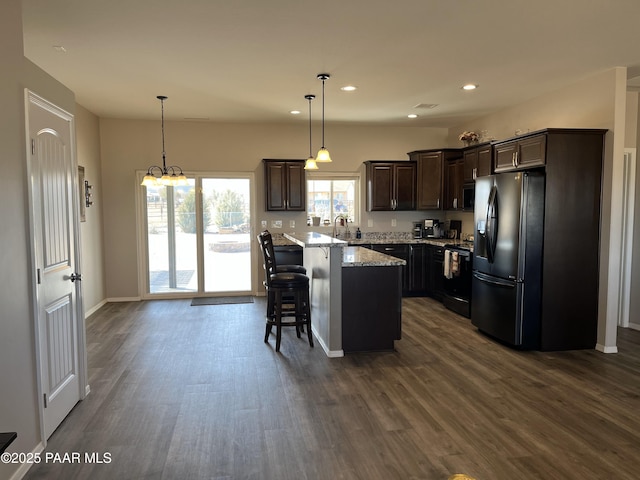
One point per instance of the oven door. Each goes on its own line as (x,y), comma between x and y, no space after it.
(457,287)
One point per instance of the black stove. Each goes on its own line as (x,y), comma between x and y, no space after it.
(457,282)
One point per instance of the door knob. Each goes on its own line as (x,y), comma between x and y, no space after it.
(75,276)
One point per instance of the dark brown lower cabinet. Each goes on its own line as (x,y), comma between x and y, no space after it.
(371,308)
(415,274)
(399,251)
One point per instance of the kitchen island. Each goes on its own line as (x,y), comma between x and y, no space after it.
(356,294)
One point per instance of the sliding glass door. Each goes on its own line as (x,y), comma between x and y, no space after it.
(198,237)
(227,242)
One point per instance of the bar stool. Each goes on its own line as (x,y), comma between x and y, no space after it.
(287,295)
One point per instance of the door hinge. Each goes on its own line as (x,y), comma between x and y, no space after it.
(33,147)
(46,403)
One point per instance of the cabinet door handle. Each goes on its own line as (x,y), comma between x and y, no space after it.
(438,204)
(516,154)
(513,159)
(474,175)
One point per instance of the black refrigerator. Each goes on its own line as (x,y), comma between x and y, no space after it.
(507,262)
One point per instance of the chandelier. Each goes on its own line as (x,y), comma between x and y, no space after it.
(170,176)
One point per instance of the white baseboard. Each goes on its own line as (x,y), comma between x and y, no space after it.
(94,309)
(605,349)
(24,468)
(329,353)
(123,299)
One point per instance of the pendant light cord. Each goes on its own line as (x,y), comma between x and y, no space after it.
(162,98)
(310,97)
(323,113)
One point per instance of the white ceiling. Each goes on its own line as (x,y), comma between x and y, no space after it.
(254,60)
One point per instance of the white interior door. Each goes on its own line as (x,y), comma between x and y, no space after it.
(53,195)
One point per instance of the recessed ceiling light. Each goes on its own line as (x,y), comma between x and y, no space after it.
(295,112)
(469,86)
(412,115)
(349,88)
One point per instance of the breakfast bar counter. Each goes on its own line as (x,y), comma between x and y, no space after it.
(356,294)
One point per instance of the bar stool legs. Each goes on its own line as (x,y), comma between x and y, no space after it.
(278,308)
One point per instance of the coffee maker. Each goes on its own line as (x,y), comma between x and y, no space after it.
(417,230)
(432,228)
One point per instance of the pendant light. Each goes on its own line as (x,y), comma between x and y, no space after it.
(323,154)
(167,176)
(310,164)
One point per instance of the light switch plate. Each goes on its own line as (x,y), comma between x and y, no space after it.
(393,222)
(276,223)
(369,223)
(292,224)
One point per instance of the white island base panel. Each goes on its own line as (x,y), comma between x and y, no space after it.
(324,268)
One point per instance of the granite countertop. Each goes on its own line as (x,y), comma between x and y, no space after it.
(364,257)
(375,238)
(314,239)
(410,241)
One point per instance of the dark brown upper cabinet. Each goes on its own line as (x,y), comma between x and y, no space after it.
(520,154)
(455,183)
(430,187)
(285,188)
(477,162)
(391,185)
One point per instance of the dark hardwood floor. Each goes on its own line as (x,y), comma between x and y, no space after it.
(181,392)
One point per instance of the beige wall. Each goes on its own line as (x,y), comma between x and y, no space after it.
(17,376)
(18,402)
(128,146)
(596,102)
(631,121)
(92,233)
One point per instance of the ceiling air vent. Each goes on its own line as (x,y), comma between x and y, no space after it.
(427,106)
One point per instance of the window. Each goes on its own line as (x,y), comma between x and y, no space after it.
(330,195)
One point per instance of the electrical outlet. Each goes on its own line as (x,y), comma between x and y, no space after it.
(263,223)
(276,223)
(369,223)
(393,222)
(292,224)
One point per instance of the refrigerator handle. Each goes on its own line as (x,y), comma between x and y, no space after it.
(491,221)
(494,280)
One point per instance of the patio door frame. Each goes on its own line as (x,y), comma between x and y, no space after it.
(142,228)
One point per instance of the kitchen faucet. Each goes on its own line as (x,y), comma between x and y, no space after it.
(335,229)
(347,233)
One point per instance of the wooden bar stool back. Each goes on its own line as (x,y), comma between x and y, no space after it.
(287,295)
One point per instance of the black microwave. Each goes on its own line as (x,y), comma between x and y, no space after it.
(468,197)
